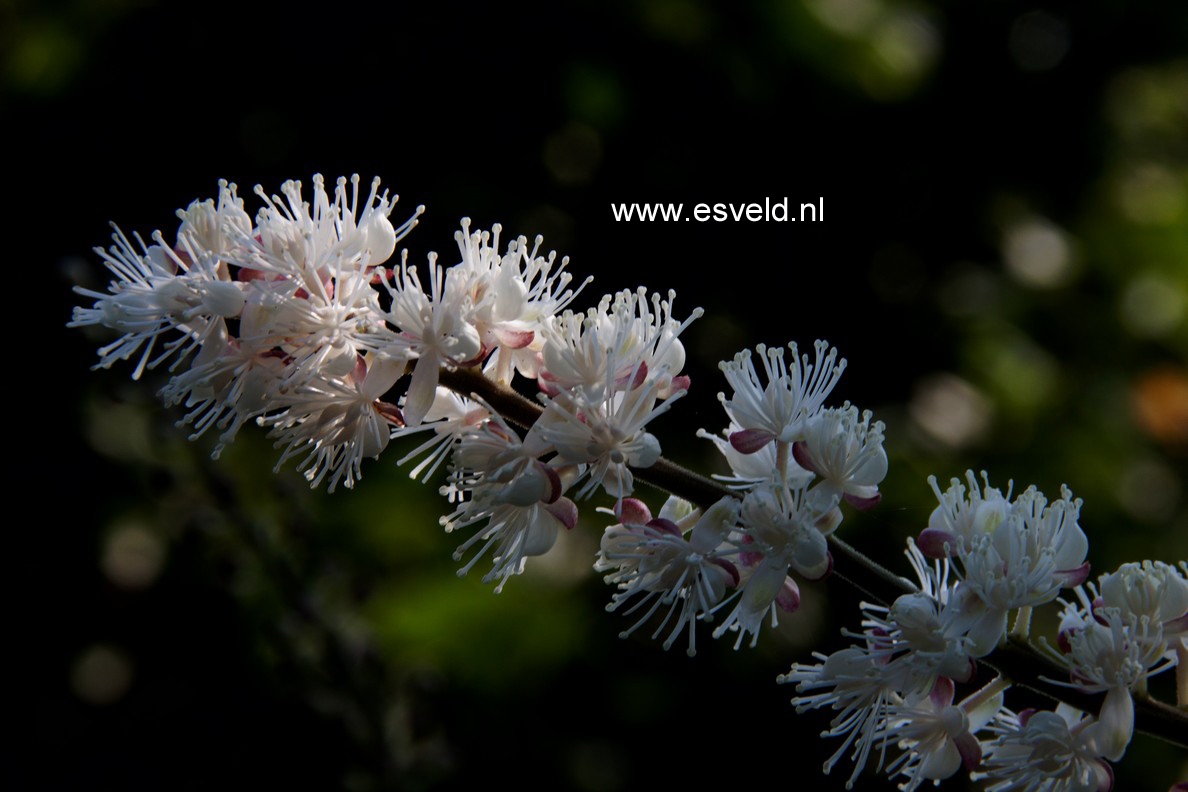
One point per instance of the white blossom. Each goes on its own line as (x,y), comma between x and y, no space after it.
(656,563)
(777,407)
(1045,752)
(846,453)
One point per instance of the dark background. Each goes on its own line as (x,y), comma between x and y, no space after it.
(1003,262)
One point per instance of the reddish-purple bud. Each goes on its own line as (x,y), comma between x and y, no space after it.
(631,378)
(513,339)
(641,374)
(1176,625)
(1064,640)
(665,525)
(749,441)
(789,597)
(935,543)
(749,558)
(632,511)
(389,412)
(564,510)
(801,454)
(863,504)
(970,750)
(1073,577)
(359,372)
(942,692)
(248,274)
(1025,715)
(879,644)
(1098,616)
(555,488)
(680,383)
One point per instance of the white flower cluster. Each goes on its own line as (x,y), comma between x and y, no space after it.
(793,462)
(1010,556)
(1118,633)
(296,319)
(278,319)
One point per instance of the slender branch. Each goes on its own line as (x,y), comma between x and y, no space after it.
(1015,659)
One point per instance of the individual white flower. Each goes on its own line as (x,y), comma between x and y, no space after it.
(321,333)
(606,435)
(435,324)
(448,418)
(763,588)
(959,518)
(1045,752)
(1105,648)
(312,242)
(513,295)
(156,291)
(518,499)
(226,385)
(779,532)
(854,684)
(1152,589)
(778,408)
(655,565)
(335,424)
(784,525)
(1012,554)
(846,452)
(935,735)
(215,227)
(310,270)
(624,342)
(516,533)
(922,633)
(1113,651)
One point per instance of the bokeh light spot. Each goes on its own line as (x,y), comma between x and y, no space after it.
(1038,254)
(949,409)
(848,17)
(132,556)
(1150,194)
(101,675)
(1160,399)
(905,46)
(1151,306)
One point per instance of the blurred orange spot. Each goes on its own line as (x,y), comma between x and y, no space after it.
(1161,403)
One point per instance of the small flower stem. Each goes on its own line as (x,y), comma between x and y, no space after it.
(782,449)
(1022,628)
(975,700)
(1016,660)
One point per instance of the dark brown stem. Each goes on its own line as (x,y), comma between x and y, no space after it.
(1017,660)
